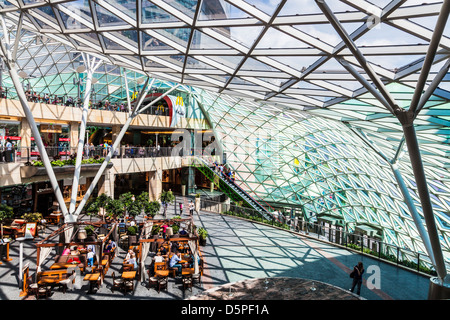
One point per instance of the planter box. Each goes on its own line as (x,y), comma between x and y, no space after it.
(32,171)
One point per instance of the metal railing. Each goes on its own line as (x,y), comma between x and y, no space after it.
(30,154)
(374,247)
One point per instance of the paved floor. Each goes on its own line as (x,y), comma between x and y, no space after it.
(237,250)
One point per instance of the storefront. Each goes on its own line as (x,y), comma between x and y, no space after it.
(55,137)
(9,129)
(19,197)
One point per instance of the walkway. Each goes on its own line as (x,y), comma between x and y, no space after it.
(236,250)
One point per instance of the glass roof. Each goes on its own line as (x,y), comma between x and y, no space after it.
(254,61)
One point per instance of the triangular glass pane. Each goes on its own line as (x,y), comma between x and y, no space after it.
(111,45)
(215,10)
(265,6)
(107,19)
(71,23)
(245,36)
(151,13)
(126,7)
(179,35)
(188,7)
(203,41)
(150,43)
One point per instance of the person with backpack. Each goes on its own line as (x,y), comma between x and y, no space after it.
(356,274)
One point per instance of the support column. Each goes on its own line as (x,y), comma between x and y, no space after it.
(25,133)
(154,184)
(106,184)
(422,188)
(115,130)
(74,127)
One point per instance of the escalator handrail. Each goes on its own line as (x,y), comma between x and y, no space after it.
(246,193)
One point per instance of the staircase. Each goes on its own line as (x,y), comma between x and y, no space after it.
(232,190)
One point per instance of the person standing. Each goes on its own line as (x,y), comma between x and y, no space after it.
(358,271)
(9,150)
(181,208)
(191,208)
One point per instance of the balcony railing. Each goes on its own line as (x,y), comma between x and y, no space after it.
(31,154)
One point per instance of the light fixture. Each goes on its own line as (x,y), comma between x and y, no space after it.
(81,69)
(94,80)
(23,74)
(82,234)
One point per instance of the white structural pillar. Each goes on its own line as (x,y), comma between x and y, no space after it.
(122,132)
(9,59)
(91,66)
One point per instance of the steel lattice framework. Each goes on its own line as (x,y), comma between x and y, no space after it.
(378,71)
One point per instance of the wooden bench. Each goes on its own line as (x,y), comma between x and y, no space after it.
(52,277)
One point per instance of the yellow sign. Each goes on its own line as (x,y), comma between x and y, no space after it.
(179,101)
(51,128)
(160,107)
(135,94)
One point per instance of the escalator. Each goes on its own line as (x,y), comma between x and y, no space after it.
(232,190)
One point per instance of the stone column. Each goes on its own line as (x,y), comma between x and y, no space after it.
(115,132)
(106,184)
(74,136)
(154,184)
(25,133)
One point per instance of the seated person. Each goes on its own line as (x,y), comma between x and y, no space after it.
(66,252)
(129,254)
(132,260)
(158,257)
(191,265)
(183,232)
(110,246)
(163,250)
(175,262)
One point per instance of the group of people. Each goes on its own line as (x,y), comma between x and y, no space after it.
(125,151)
(33,96)
(224,171)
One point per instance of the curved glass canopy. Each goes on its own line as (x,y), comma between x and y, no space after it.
(280,76)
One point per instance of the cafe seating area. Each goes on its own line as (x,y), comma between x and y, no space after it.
(97,263)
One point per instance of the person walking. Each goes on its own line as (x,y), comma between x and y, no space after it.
(181,208)
(357,273)
(191,208)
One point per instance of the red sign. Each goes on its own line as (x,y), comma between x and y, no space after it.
(64,139)
(11,138)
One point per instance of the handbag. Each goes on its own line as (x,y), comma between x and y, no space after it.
(352,274)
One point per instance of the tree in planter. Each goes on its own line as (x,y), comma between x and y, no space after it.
(115,208)
(166,198)
(132,204)
(90,231)
(151,208)
(6,213)
(176,224)
(102,202)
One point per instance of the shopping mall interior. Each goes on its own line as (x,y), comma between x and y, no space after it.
(224,150)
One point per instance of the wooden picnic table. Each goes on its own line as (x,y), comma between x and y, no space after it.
(93,280)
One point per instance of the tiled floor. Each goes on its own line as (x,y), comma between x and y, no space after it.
(237,250)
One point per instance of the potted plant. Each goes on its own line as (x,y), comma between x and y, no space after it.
(166,198)
(32,217)
(132,235)
(151,208)
(6,213)
(202,234)
(90,233)
(115,208)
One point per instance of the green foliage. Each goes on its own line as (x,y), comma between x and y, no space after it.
(32,217)
(115,208)
(68,162)
(89,230)
(202,233)
(132,230)
(175,228)
(197,195)
(167,197)
(155,230)
(6,212)
(151,208)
